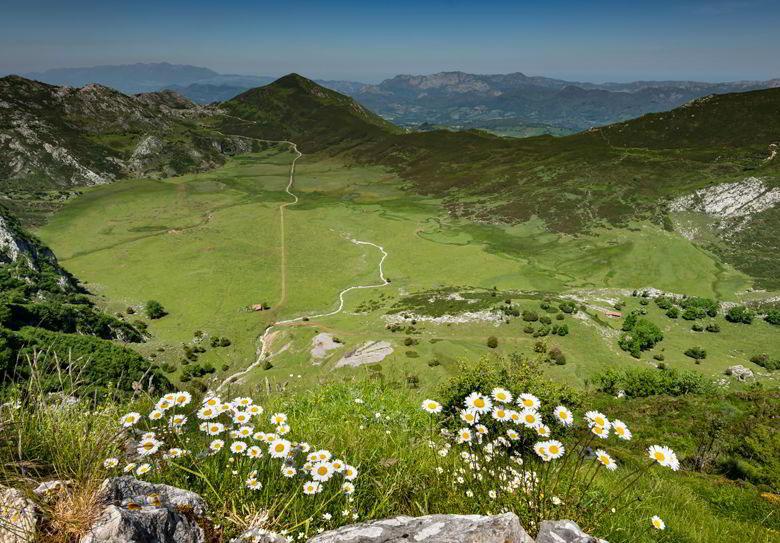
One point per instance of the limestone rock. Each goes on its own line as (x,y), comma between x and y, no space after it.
(147,523)
(740,372)
(18,517)
(259,535)
(563,531)
(140,511)
(504,528)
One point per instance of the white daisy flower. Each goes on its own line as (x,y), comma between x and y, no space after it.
(657,523)
(322,471)
(596,418)
(605,459)
(216,445)
(278,418)
(464,435)
(109,463)
(238,447)
(253,484)
(254,452)
(530,418)
(664,456)
(143,469)
(469,417)
(348,488)
(215,428)
(528,401)
(350,472)
(147,447)
(208,412)
(600,431)
(279,448)
(501,395)
(500,413)
(182,398)
(563,415)
(289,471)
(431,406)
(130,419)
(255,410)
(621,430)
(241,417)
(312,487)
(478,403)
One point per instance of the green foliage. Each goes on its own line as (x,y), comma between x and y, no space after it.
(773,317)
(664,303)
(697,353)
(700,306)
(673,313)
(492,342)
(650,382)
(641,335)
(739,314)
(765,362)
(567,306)
(530,316)
(154,309)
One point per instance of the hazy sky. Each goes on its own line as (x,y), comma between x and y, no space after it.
(370,40)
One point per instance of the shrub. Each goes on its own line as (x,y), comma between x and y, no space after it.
(773,317)
(154,309)
(713,327)
(567,306)
(739,314)
(697,327)
(641,335)
(224,342)
(697,353)
(693,313)
(267,365)
(528,329)
(664,303)
(659,356)
(433,363)
(673,313)
(649,382)
(706,305)
(765,362)
(559,317)
(492,342)
(544,319)
(530,316)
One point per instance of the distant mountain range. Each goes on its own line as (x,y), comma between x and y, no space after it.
(504,103)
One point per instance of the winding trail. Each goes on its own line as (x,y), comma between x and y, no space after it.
(263,351)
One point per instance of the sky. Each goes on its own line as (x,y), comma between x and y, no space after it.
(368,41)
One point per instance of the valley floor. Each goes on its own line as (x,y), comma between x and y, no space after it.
(209,247)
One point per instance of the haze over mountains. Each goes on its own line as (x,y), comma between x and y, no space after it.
(513,103)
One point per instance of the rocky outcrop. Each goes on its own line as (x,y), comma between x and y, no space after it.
(563,531)
(504,528)
(140,511)
(740,372)
(730,200)
(18,517)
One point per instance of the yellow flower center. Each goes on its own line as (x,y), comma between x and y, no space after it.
(479,402)
(659,456)
(530,418)
(322,471)
(554,449)
(279,447)
(619,430)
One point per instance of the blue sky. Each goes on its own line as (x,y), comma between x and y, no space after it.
(371,40)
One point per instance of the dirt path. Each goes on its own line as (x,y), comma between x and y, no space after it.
(263,351)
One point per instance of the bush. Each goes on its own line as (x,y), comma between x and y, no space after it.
(659,356)
(693,313)
(528,329)
(544,319)
(707,306)
(530,316)
(773,317)
(154,309)
(713,327)
(492,342)
(697,353)
(567,306)
(739,314)
(433,363)
(673,313)
(664,303)
(641,335)
(697,327)
(765,362)
(639,383)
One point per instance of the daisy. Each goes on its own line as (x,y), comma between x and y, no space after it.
(348,488)
(563,415)
(270,438)
(241,417)
(595,418)
(311,487)
(500,414)
(621,430)
(215,428)
(143,468)
(254,410)
(543,430)
(130,419)
(464,435)
(322,471)
(212,401)
(258,436)
(109,463)
(501,395)
(478,403)
(469,417)
(657,523)
(254,452)
(338,465)
(513,435)
(431,406)
(148,447)
(554,448)
(514,416)
(540,449)
(155,414)
(175,452)
(278,418)
(605,459)
(253,484)
(242,402)
(528,401)
(282,429)
(216,445)
(207,412)
(289,471)
(601,431)
(322,455)
(530,418)
(244,431)
(182,398)
(178,420)
(350,472)
(165,403)
(237,447)
(664,456)
(279,448)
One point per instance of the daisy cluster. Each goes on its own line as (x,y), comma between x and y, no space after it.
(500,437)
(231,428)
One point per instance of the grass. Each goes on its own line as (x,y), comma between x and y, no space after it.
(207,246)
(386,437)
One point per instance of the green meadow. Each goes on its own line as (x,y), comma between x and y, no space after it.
(208,246)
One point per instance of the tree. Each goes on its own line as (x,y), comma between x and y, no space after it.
(739,314)
(154,309)
(492,342)
(641,336)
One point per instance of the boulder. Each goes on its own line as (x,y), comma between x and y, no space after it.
(119,524)
(504,528)
(140,511)
(259,535)
(18,517)
(563,531)
(740,372)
